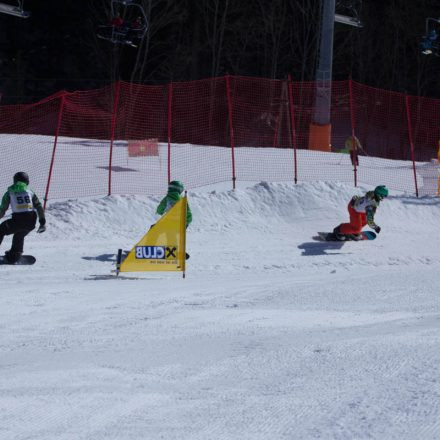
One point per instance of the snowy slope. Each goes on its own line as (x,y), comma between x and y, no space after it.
(271,335)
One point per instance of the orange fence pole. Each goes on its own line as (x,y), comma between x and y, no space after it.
(169,125)
(113,129)
(231,129)
(438,163)
(411,142)
(293,129)
(52,161)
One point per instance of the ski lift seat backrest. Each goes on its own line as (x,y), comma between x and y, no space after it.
(17,11)
(130,10)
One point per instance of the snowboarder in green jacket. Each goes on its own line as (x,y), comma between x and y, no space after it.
(175,189)
(25,207)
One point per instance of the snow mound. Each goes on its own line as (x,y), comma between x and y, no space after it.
(258,207)
(264,227)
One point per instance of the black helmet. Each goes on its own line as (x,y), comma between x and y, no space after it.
(21,176)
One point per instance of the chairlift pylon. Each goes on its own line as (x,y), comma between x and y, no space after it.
(16,11)
(133,24)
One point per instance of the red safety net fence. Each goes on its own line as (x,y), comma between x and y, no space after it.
(133,139)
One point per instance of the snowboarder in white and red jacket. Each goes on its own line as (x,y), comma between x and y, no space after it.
(362,211)
(25,207)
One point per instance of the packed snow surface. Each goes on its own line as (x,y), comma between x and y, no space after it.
(271,335)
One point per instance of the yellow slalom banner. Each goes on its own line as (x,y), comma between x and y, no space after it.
(162,248)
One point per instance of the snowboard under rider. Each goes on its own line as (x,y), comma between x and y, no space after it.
(175,189)
(25,207)
(361,210)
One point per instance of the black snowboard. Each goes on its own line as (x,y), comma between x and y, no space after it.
(24,260)
(330,236)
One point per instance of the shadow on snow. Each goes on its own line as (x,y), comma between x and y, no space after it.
(103,257)
(320,248)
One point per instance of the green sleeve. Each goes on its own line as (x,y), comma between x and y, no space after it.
(39,208)
(189,216)
(162,206)
(370,211)
(5,204)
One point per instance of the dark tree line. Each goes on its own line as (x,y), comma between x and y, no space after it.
(57,48)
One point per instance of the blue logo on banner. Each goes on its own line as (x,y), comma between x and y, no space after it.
(150,252)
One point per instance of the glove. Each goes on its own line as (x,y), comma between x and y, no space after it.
(377,229)
(41,229)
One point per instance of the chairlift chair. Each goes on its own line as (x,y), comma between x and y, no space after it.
(129,11)
(345,19)
(431,40)
(348,12)
(16,11)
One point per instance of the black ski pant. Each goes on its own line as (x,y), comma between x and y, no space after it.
(19,225)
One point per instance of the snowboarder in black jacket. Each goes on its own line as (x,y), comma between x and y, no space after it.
(25,207)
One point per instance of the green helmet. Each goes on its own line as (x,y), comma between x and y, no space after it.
(381,191)
(176,186)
